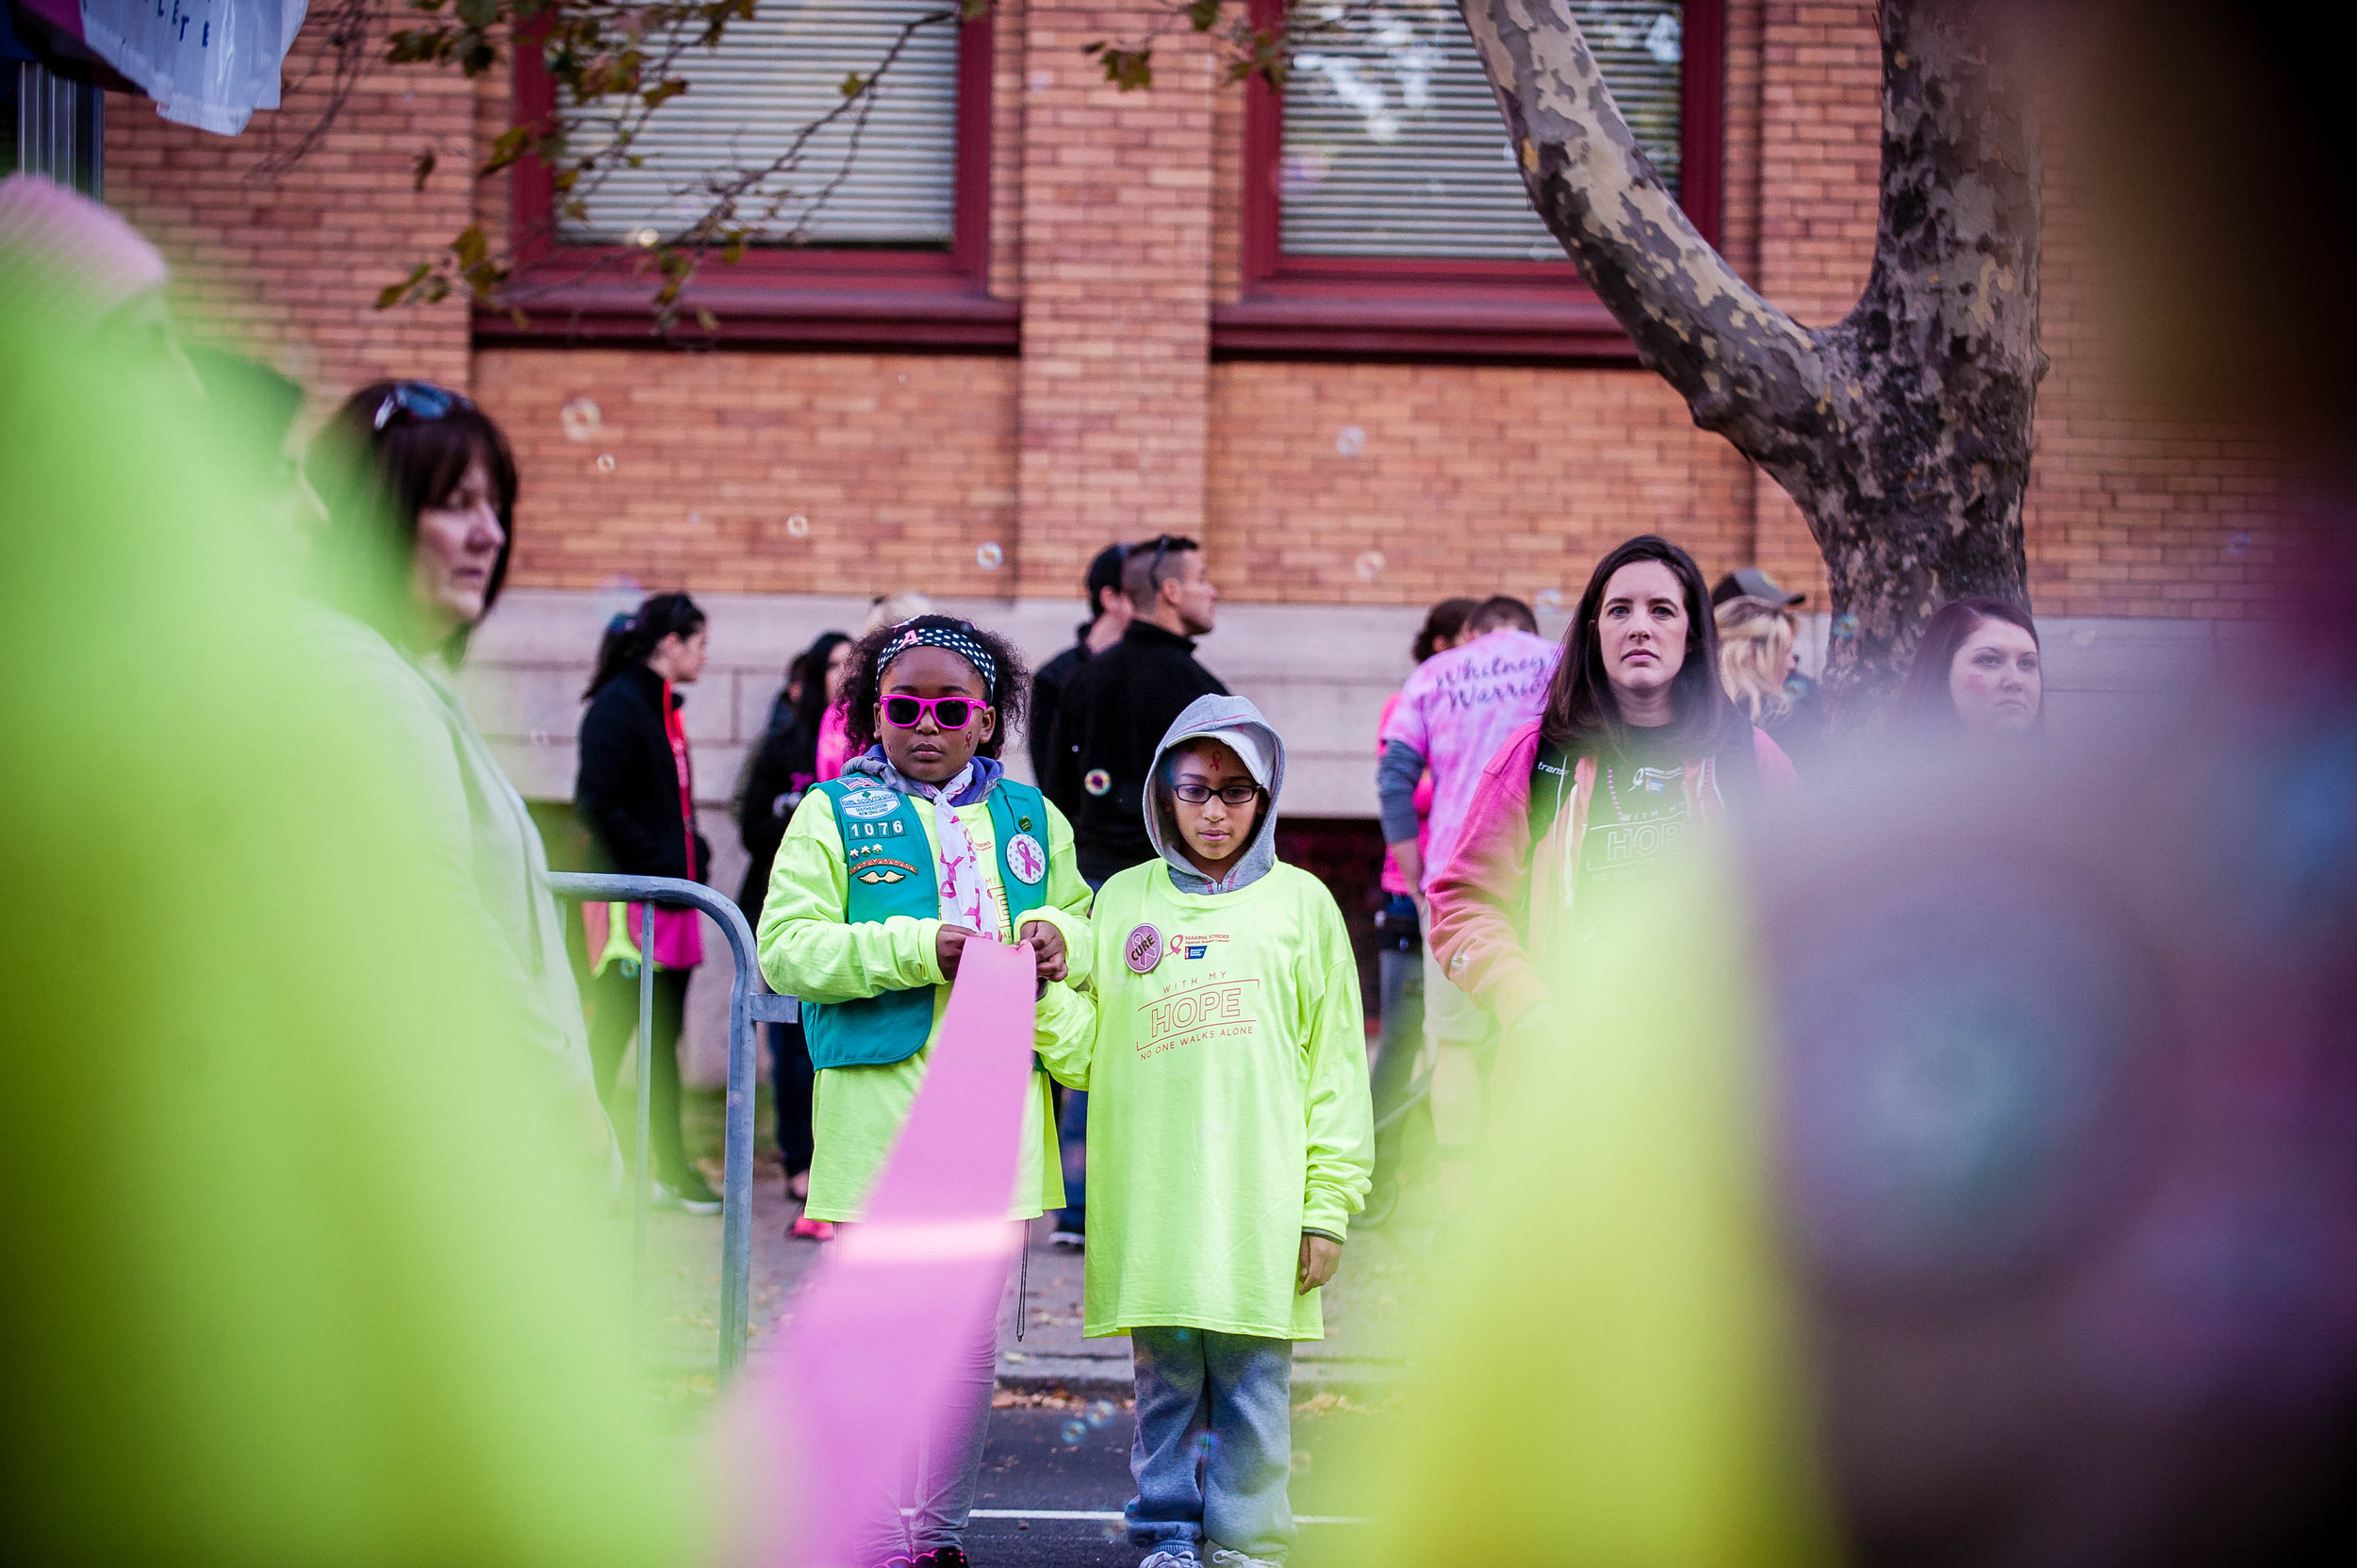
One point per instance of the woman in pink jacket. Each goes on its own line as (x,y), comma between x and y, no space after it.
(1638,746)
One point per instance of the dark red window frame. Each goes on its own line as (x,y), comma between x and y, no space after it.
(1359,307)
(783,298)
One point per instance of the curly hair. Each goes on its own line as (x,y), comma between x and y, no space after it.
(861,685)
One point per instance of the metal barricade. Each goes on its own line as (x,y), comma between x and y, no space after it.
(751,1002)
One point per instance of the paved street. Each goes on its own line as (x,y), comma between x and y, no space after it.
(1056,1471)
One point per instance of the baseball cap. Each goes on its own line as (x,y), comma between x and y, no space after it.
(1750,581)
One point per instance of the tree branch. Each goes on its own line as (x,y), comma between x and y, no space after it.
(1746,370)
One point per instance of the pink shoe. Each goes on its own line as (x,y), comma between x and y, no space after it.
(810,1230)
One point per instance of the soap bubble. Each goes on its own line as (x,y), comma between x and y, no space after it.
(1551,598)
(695,519)
(989,556)
(581,419)
(1100,1411)
(1073,1433)
(1845,627)
(1350,440)
(797,526)
(1204,1447)
(645,238)
(605,462)
(1370,564)
(2084,637)
(2239,545)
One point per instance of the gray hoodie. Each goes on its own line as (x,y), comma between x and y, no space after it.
(1207,716)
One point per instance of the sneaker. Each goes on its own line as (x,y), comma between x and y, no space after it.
(810,1230)
(1072,1241)
(940,1557)
(690,1196)
(1223,1557)
(1178,1554)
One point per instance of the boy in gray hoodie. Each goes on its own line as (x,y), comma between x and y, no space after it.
(1230,1137)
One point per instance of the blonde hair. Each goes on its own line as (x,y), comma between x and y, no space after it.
(1755,650)
(890,609)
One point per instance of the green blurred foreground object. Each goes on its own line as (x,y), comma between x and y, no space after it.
(1616,1380)
(297,1270)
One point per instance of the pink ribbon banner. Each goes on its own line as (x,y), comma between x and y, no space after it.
(866,1366)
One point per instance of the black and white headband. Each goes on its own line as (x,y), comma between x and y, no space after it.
(948,637)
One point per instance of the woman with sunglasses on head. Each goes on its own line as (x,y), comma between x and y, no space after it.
(1639,748)
(884,876)
(419,489)
(635,792)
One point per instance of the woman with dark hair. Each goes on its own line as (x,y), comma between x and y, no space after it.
(419,494)
(780,773)
(1976,672)
(635,792)
(1638,744)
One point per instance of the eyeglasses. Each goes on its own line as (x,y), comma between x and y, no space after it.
(949,712)
(1229,795)
(420,400)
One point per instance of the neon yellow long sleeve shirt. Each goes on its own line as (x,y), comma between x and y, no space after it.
(1227,1103)
(809,951)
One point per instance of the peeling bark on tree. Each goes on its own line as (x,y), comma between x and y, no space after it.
(1903,430)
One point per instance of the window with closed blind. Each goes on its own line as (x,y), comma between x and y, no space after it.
(1383,210)
(767,107)
(1392,142)
(871,228)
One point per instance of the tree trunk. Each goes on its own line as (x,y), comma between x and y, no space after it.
(1903,430)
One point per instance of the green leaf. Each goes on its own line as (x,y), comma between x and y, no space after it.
(853,85)
(706,320)
(478,14)
(1203,15)
(392,295)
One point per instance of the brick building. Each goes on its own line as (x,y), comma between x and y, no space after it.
(1115,332)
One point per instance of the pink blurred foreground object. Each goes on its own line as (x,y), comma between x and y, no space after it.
(68,259)
(866,1360)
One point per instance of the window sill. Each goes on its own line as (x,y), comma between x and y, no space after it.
(857,306)
(1461,321)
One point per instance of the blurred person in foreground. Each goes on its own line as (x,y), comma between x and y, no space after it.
(299,1267)
(420,495)
(1965,1170)
(1976,672)
(1761,671)
(1399,924)
(781,772)
(1109,616)
(635,790)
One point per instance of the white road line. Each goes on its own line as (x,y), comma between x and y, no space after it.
(1115,1514)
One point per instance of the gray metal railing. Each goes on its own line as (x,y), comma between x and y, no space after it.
(751,1002)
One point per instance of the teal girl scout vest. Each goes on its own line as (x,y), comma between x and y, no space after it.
(888,865)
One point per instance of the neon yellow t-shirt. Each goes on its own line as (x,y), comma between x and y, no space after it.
(808,949)
(1227,1103)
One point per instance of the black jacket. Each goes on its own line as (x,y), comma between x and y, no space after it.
(1047,685)
(627,790)
(1115,710)
(782,772)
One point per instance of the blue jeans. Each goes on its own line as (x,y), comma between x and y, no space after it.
(1215,1440)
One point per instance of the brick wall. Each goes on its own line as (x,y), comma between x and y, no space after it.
(288,268)
(1115,220)
(900,466)
(1453,480)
